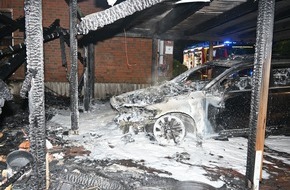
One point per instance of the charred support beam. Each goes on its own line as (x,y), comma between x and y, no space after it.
(12,65)
(35,68)
(259,97)
(6,20)
(74,67)
(91,61)
(100,19)
(12,50)
(88,77)
(177,15)
(52,27)
(62,48)
(154,61)
(249,25)
(86,80)
(12,26)
(243,9)
(16,48)
(79,12)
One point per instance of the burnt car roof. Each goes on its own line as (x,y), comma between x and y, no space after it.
(216,63)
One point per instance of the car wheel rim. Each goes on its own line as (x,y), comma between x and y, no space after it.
(169,129)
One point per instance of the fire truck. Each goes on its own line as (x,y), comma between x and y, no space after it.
(199,53)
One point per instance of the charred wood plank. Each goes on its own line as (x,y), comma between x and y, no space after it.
(81,82)
(89,75)
(5,20)
(91,66)
(13,26)
(62,49)
(86,80)
(154,61)
(16,48)
(52,28)
(12,50)
(80,14)
(12,65)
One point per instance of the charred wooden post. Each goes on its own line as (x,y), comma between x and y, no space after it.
(74,67)
(89,75)
(35,68)
(91,61)
(86,80)
(259,98)
(154,61)
(62,49)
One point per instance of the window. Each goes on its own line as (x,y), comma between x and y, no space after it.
(240,80)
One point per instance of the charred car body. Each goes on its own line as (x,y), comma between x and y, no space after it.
(206,99)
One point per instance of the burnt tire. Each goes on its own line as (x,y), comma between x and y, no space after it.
(169,129)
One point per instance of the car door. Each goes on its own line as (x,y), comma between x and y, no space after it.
(236,91)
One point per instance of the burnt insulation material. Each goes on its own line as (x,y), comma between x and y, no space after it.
(262,56)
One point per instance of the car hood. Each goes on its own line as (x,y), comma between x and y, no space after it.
(154,94)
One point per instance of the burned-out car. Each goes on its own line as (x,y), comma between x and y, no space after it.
(204,100)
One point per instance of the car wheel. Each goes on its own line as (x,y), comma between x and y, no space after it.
(169,129)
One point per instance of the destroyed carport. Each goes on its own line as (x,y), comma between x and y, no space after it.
(249,7)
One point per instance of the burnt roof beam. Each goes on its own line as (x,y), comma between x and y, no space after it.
(251,23)
(235,13)
(5,20)
(281,31)
(178,14)
(13,26)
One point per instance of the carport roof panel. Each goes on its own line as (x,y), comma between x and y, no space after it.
(219,19)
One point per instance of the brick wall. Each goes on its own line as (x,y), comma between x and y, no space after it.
(121,60)
(117,60)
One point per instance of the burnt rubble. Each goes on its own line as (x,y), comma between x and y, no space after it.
(4,94)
